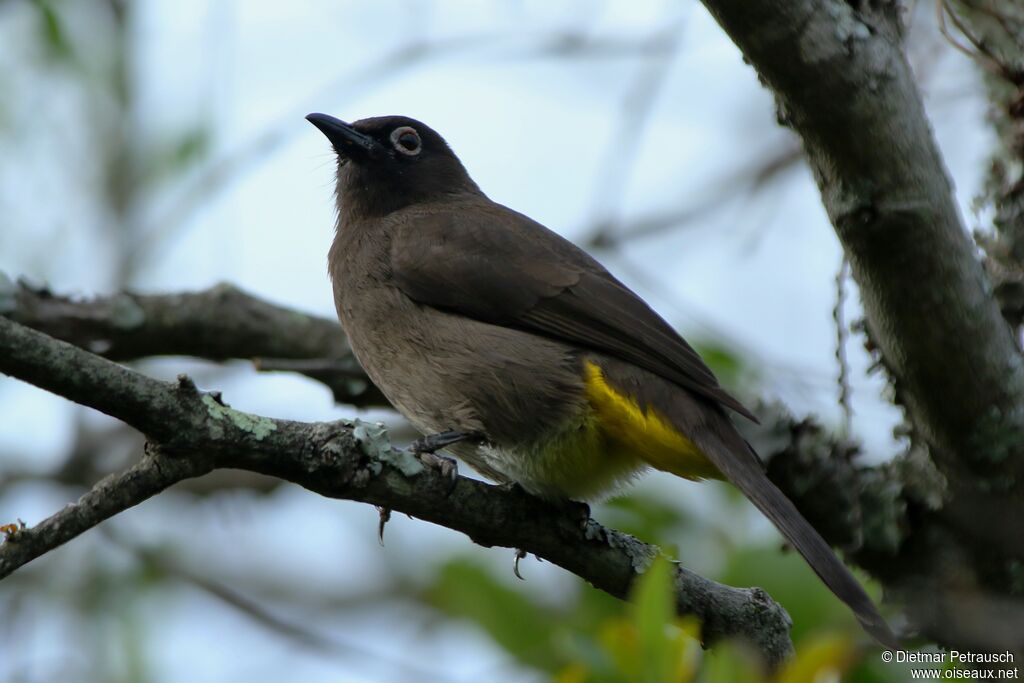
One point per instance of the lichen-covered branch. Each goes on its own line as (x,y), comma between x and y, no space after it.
(192,432)
(842,82)
(220,323)
(993,34)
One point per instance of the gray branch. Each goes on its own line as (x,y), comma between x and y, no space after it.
(192,432)
(842,82)
(218,324)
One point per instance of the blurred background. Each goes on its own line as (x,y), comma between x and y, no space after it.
(160,146)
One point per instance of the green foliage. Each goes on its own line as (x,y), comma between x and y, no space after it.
(730,663)
(644,643)
(521,626)
(726,363)
(52,34)
(653,520)
(658,652)
(592,638)
(820,658)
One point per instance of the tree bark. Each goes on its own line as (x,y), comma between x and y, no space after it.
(842,82)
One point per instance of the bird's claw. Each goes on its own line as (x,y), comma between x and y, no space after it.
(385,516)
(447,466)
(520,554)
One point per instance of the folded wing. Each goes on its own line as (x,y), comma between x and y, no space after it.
(503,268)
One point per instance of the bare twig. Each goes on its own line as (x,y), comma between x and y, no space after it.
(634,115)
(740,185)
(217,324)
(148,477)
(842,333)
(981,54)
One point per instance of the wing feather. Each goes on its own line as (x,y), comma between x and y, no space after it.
(495,265)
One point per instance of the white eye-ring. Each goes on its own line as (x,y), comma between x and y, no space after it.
(406,140)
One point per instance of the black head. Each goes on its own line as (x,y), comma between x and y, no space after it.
(386,163)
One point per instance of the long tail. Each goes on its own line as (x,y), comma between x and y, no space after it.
(740,465)
(697,430)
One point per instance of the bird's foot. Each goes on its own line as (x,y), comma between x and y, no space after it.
(425,449)
(445,465)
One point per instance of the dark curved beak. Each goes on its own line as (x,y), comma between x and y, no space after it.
(347,141)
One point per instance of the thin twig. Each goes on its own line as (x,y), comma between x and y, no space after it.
(220,323)
(842,335)
(148,477)
(981,54)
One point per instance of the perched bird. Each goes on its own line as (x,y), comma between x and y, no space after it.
(520,353)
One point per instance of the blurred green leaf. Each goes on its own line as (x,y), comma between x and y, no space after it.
(821,658)
(731,663)
(727,365)
(652,611)
(52,33)
(522,628)
(646,517)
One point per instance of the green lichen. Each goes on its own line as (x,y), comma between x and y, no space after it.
(403,461)
(259,427)
(373,441)
(407,463)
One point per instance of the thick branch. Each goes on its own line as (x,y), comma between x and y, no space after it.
(193,432)
(842,82)
(217,324)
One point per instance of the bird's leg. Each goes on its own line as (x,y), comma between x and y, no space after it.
(426,446)
(431,443)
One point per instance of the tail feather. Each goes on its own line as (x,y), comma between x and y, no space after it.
(747,475)
(705,431)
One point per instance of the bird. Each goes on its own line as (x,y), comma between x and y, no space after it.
(517,351)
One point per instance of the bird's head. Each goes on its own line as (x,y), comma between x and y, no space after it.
(386,163)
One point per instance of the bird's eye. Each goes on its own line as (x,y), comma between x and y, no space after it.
(406,140)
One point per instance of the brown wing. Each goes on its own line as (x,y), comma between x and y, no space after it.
(492,264)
